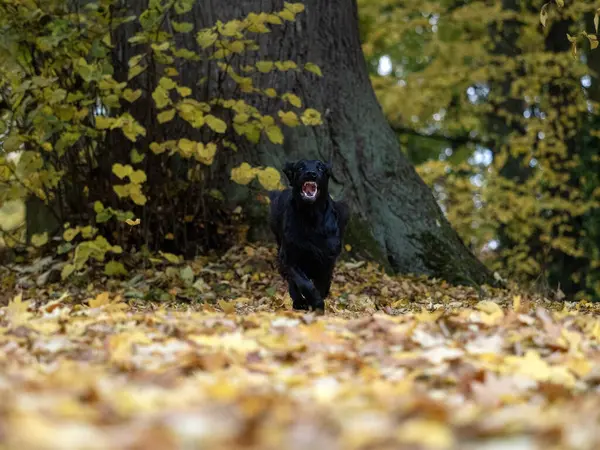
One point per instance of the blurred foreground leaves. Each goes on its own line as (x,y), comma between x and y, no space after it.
(221,362)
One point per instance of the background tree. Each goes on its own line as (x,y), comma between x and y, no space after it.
(153,107)
(498,116)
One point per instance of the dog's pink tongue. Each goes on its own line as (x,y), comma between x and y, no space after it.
(309,188)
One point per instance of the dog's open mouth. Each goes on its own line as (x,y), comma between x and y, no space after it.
(309,190)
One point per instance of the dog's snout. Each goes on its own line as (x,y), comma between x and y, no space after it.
(311,174)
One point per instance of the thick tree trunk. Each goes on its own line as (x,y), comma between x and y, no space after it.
(395,215)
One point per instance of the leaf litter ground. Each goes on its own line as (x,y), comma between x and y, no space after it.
(208,355)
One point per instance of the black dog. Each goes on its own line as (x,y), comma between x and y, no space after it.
(309,227)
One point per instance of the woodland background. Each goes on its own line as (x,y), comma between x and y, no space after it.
(498,113)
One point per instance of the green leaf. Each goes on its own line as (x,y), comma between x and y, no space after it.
(264,66)
(131,96)
(121,170)
(183,6)
(161,97)
(182,27)
(39,240)
(167,83)
(136,157)
(215,123)
(135,71)
(67,270)
(98,207)
(313,68)
(187,275)
(166,116)
(114,268)
(560,3)
(170,257)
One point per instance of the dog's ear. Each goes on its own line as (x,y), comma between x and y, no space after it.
(329,168)
(289,169)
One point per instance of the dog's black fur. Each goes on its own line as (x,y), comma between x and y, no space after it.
(309,229)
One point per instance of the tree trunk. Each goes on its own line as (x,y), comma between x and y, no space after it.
(395,216)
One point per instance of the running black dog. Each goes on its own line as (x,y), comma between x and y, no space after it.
(309,227)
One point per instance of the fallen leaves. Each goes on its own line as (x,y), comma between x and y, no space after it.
(395,363)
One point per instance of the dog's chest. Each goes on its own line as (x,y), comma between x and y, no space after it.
(314,238)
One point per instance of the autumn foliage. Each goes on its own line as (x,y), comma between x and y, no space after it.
(122,157)
(496,103)
(209,354)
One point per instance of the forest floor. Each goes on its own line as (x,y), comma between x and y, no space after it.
(209,355)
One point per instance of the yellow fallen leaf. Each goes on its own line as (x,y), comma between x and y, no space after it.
(425,433)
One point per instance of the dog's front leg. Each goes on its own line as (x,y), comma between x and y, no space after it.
(302,290)
(306,288)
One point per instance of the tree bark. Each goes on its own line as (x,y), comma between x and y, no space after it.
(395,216)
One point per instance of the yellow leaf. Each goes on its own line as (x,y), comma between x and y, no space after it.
(243,174)
(166,116)
(100,300)
(544,15)
(274,134)
(286,14)
(135,193)
(70,234)
(103,122)
(227,307)
(311,117)
(348,247)
(133,223)
(157,148)
(184,91)
(138,177)
(269,178)
(187,147)
(122,190)
(596,21)
(17,310)
(293,99)
(121,170)
(206,38)
(132,96)
(289,118)
(294,7)
(270,92)
(215,123)
(426,433)
(516,303)
(39,240)
(135,71)
(206,153)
